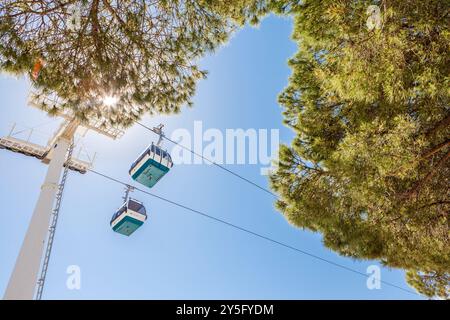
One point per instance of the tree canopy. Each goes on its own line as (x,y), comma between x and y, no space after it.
(138,54)
(369,103)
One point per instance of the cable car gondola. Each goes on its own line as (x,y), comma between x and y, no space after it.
(152,164)
(129,217)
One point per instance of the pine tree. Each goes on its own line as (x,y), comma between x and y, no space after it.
(369,102)
(140,53)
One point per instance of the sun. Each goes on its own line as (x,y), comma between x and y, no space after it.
(110,101)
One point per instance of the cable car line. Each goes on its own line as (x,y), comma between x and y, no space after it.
(255,234)
(208,160)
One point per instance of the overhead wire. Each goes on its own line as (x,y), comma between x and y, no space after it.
(210,161)
(253,233)
(238,227)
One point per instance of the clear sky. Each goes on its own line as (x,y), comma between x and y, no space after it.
(177,254)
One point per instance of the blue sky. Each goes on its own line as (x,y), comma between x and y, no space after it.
(176,254)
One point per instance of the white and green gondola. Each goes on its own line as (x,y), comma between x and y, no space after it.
(151,166)
(129,217)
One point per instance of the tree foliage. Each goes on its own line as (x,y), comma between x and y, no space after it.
(142,53)
(369,167)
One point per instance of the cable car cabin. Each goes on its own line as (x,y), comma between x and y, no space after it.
(151,166)
(129,217)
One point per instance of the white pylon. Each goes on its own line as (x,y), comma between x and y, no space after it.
(23,281)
